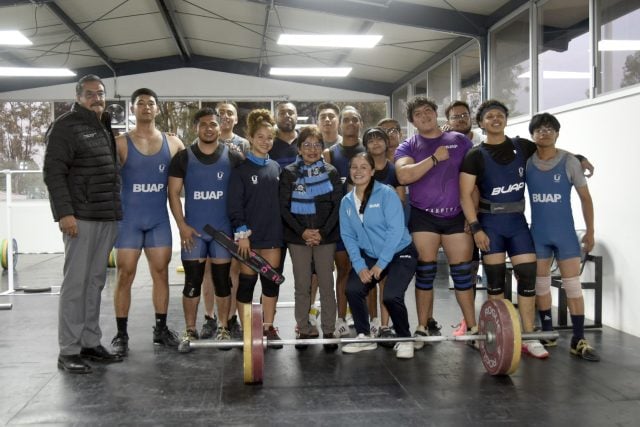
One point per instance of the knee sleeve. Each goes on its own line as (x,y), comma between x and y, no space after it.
(193,275)
(526,275)
(572,287)
(221,279)
(425,275)
(269,288)
(246,284)
(495,278)
(461,275)
(543,285)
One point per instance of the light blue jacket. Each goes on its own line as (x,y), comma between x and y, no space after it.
(382,233)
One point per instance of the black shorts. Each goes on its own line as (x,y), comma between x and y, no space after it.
(421,221)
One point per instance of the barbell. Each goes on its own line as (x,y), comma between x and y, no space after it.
(499,337)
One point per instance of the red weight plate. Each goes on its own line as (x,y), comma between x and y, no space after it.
(257,347)
(501,351)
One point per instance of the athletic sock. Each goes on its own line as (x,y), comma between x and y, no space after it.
(577,323)
(161,320)
(546,320)
(121,324)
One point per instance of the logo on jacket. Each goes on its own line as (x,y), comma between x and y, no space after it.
(220,175)
(374,205)
(254,179)
(161,167)
(521,172)
(88,135)
(557,177)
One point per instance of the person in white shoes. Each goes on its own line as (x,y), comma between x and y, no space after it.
(379,245)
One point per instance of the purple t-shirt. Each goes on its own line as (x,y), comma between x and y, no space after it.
(438,191)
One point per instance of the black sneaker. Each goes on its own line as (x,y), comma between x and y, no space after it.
(547,343)
(234,328)
(120,344)
(433,329)
(387,332)
(208,327)
(165,336)
(99,354)
(272,335)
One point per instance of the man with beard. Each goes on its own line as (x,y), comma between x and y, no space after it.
(339,156)
(81,174)
(203,170)
(285,147)
(144,153)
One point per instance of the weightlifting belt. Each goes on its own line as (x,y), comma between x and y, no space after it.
(486,206)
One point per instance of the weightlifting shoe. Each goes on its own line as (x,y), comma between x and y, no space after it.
(208,327)
(461,328)
(73,364)
(185,343)
(223,335)
(329,347)
(583,350)
(165,336)
(357,347)
(234,328)
(120,344)
(99,354)
(433,329)
(404,350)
(420,332)
(272,335)
(535,349)
(387,332)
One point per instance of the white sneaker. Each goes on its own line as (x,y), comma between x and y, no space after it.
(535,349)
(374,327)
(314,313)
(404,350)
(420,332)
(342,329)
(357,347)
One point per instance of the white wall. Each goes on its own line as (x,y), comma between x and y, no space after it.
(195,83)
(606,131)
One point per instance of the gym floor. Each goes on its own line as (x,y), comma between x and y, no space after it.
(444,384)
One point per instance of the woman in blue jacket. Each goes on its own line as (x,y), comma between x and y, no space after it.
(379,245)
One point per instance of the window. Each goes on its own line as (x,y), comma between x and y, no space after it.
(563,53)
(177,117)
(439,85)
(469,86)
(618,44)
(510,64)
(399,100)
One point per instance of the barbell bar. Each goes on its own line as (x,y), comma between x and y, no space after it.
(499,339)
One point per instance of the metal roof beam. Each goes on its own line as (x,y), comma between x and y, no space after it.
(399,13)
(79,32)
(171,20)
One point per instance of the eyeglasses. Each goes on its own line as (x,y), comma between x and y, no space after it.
(544,129)
(463,116)
(91,94)
(312,145)
(391,131)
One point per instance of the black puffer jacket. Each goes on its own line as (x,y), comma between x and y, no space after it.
(81,167)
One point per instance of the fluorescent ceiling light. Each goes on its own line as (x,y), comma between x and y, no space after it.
(14,38)
(559,75)
(329,40)
(35,72)
(606,45)
(311,72)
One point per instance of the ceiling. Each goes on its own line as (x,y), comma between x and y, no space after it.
(123,37)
